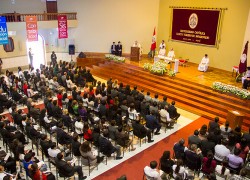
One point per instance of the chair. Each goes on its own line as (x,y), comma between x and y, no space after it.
(236,70)
(183,62)
(89,164)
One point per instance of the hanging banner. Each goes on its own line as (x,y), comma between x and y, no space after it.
(62,27)
(195,26)
(31,28)
(3,31)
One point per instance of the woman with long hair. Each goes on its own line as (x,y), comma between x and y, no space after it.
(179,169)
(221,170)
(36,174)
(208,163)
(88,153)
(166,163)
(87,132)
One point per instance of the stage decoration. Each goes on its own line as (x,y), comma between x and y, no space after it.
(31,28)
(159,68)
(196,25)
(62,27)
(3,31)
(115,58)
(226,88)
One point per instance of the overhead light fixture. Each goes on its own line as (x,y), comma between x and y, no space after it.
(13,1)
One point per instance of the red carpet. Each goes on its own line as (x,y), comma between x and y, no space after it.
(133,167)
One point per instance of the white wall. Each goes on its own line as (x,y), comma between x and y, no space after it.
(100,22)
(23,6)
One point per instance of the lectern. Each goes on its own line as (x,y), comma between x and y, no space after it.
(235,118)
(135,53)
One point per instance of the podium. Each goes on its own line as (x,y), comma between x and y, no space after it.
(135,53)
(235,118)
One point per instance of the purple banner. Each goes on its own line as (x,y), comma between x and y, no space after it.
(195,26)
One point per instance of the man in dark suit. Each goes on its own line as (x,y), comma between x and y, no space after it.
(34,112)
(194,139)
(140,131)
(45,144)
(193,158)
(173,111)
(62,136)
(119,49)
(106,146)
(6,133)
(213,125)
(66,169)
(152,123)
(113,48)
(57,111)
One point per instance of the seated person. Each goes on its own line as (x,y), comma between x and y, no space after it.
(89,153)
(11,135)
(45,144)
(53,151)
(151,171)
(171,54)
(179,149)
(152,123)
(119,49)
(62,136)
(36,173)
(246,79)
(7,162)
(162,50)
(136,44)
(106,146)
(140,131)
(164,116)
(122,139)
(173,111)
(66,169)
(203,66)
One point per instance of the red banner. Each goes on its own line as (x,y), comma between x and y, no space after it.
(195,26)
(62,27)
(31,28)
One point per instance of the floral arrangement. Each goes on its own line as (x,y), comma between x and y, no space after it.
(115,58)
(225,88)
(159,68)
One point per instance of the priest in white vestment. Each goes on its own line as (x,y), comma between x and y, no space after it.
(203,66)
(136,44)
(162,50)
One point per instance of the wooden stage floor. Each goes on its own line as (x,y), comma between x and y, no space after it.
(191,73)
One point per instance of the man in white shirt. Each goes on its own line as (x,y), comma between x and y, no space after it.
(203,66)
(53,151)
(164,115)
(221,151)
(151,172)
(136,44)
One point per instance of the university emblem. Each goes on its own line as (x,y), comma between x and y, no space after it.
(193,21)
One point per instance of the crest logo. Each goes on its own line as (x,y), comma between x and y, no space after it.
(243,58)
(193,21)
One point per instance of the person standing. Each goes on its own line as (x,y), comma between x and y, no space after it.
(113,48)
(53,58)
(1,63)
(162,50)
(31,55)
(119,49)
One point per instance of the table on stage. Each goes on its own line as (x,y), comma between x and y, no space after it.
(168,60)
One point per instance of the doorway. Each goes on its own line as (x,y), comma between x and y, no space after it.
(38,49)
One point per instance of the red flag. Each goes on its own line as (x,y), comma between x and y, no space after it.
(243,60)
(153,44)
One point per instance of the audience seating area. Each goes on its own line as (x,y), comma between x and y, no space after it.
(71,116)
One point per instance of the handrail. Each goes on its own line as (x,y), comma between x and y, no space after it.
(16,17)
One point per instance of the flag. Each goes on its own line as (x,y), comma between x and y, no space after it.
(243,60)
(153,44)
